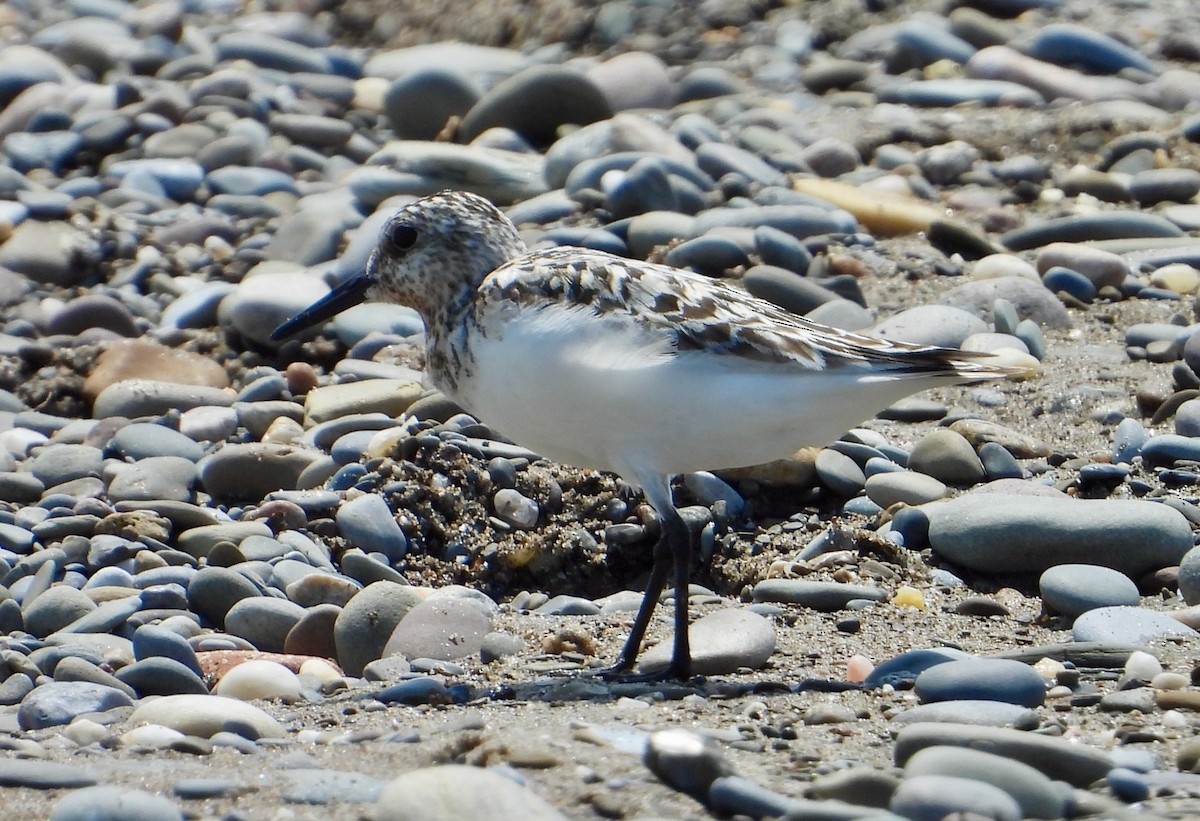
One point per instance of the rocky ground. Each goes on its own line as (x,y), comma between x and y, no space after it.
(190,174)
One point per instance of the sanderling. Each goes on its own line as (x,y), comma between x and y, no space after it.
(609,363)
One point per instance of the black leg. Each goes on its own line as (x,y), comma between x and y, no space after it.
(663,556)
(674,548)
(681,550)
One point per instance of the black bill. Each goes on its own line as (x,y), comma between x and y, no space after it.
(347,295)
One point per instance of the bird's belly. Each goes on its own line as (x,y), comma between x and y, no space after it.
(575,396)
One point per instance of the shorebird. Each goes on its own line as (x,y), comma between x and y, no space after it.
(640,369)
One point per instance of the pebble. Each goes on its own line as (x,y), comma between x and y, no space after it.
(1073,589)
(948,457)
(929,797)
(1056,758)
(982,679)
(824,596)
(999,533)
(454,791)
(721,643)
(208,715)
(442,628)
(1127,625)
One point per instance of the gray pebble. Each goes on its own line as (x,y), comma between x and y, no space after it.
(1128,625)
(443,628)
(264,622)
(59,702)
(933,797)
(1057,758)
(368,523)
(825,596)
(982,679)
(721,643)
(365,625)
(451,792)
(1073,589)
(948,457)
(1000,533)
(42,775)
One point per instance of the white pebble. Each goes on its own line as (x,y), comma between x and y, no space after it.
(995,266)
(153,736)
(1178,277)
(84,731)
(208,423)
(516,509)
(1142,666)
(283,431)
(259,678)
(1169,681)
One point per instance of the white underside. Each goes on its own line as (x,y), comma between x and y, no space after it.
(601,393)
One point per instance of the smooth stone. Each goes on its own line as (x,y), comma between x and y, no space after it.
(1090,227)
(38,774)
(1072,283)
(535,103)
(721,643)
(240,180)
(161,676)
(249,472)
(982,679)
(420,104)
(369,524)
(263,301)
(634,80)
(140,441)
(259,678)
(444,628)
(451,792)
(366,623)
(1002,533)
(92,311)
(1128,625)
(320,787)
(205,716)
(105,617)
(1073,589)
(786,289)
(388,396)
(313,635)
(712,255)
(133,398)
(684,760)
(262,621)
(154,641)
(904,487)
(948,457)
(1157,185)
(839,473)
(154,478)
(1189,577)
(138,359)
(800,221)
(824,596)
(50,253)
(934,797)
(1069,44)
(1031,300)
(1102,268)
(58,702)
(213,591)
(971,711)
(420,168)
(59,464)
(931,325)
(55,609)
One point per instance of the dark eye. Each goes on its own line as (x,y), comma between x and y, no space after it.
(401,237)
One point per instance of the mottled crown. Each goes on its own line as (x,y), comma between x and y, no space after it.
(434,252)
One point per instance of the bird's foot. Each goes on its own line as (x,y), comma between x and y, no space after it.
(623,673)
